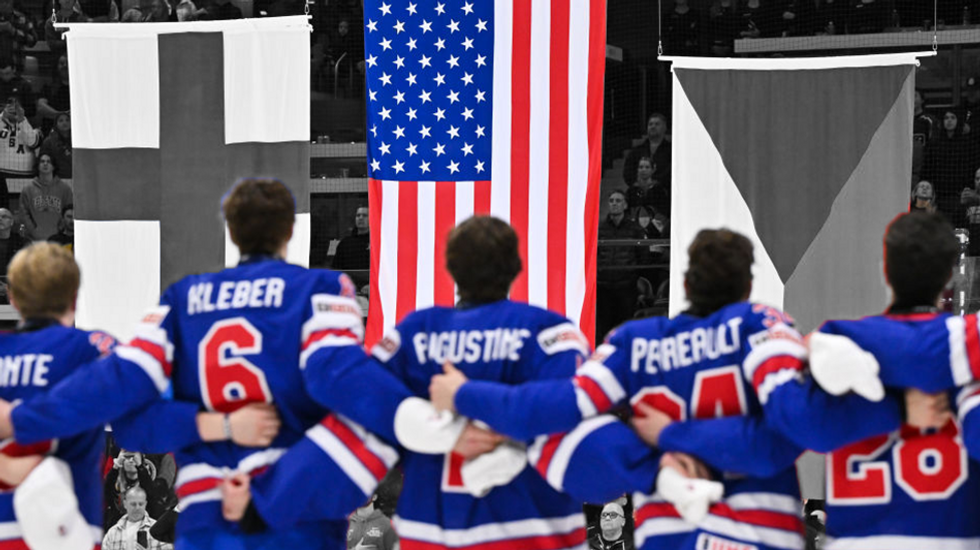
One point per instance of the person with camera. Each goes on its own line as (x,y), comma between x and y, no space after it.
(132,531)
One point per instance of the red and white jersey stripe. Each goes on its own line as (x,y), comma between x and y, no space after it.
(550,455)
(548,66)
(527,534)
(775,361)
(336,321)
(362,456)
(12,537)
(964,348)
(201,482)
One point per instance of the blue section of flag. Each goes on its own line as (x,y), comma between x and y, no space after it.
(429,76)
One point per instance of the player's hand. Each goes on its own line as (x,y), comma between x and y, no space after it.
(254,425)
(926,410)
(475,441)
(686,464)
(361,546)
(6,426)
(649,423)
(443,387)
(235,496)
(14,470)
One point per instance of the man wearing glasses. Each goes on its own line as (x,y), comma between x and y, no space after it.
(611,535)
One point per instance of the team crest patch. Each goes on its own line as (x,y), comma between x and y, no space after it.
(711,542)
(373,532)
(155,315)
(347,287)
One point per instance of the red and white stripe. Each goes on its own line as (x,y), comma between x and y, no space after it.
(12,537)
(964,348)
(596,389)
(773,363)
(548,66)
(150,358)
(771,519)
(527,534)
(550,455)
(967,400)
(336,321)
(363,457)
(900,542)
(201,482)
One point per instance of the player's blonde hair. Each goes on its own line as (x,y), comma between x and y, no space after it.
(43,280)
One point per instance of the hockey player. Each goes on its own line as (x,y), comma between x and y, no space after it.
(44,350)
(262,332)
(907,487)
(711,361)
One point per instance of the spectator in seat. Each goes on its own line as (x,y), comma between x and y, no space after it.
(681,30)
(58,145)
(42,201)
(55,98)
(868,16)
(16,33)
(612,534)
(10,243)
(922,128)
(16,86)
(721,27)
(129,470)
(970,198)
(647,192)
(656,148)
(132,531)
(370,528)
(354,250)
(754,16)
(616,288)
(69,11)
(18,142)
(948,161)
(923,197)
(66,229)
(789,17)
(220,10)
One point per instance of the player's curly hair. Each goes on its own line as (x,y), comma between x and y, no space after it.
(920,252)
(483,258)
(260,214)
(719,270)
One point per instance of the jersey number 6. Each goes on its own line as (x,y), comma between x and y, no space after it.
(229,381)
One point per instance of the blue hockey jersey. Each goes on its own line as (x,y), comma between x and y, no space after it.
(903,488)
(504,341)
(694,369)
(264,331)
(32,361)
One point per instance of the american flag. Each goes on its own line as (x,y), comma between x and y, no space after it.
(483,107)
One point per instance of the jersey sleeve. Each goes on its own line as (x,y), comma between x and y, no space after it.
(739,444)
(338,373)
(336,454)
(132,376)
(161,427)
(597,461)
(968,412)
(549,406)
(796,407)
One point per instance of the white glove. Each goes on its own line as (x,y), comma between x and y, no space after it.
(423,429)
(691,497)
(839,365)
(498,467)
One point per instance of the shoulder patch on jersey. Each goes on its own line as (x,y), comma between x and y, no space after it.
(772,316)
(102,342)
(333,313)
(563,337)
(602,353)
(155,315)
(778,331)
(388,346)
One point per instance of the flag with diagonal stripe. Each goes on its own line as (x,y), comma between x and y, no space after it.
(165,118)
(483,107)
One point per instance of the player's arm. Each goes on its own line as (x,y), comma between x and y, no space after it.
(552,405)
(165,426)
(795,406)
(338,374)
(739,444)
(336,454)
(133,376)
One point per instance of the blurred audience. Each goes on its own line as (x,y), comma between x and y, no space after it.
(948,162)
(10,243)
(922,129)
(55,98)
(58,145)
(611,534)
(617,275)
(66,229)
(132,531)
(16,33)
(42,201)
(649,200)
(681,29)
(354,250)
(923,197)
(128,470)
(656,147)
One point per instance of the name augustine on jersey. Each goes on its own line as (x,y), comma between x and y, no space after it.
(250,293)
(685,348)
(28,369)
(470,346)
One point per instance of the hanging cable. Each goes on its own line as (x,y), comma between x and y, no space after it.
(935,25)
(660,34)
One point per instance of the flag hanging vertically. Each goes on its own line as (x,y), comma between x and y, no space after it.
(809,158)
(165,118)
(483,107)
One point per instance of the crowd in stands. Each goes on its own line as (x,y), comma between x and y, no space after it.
(688,30)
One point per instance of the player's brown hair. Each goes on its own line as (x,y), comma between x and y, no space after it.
(920,253)
(483,258)
(43,280)
(260,214)
(719,270)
